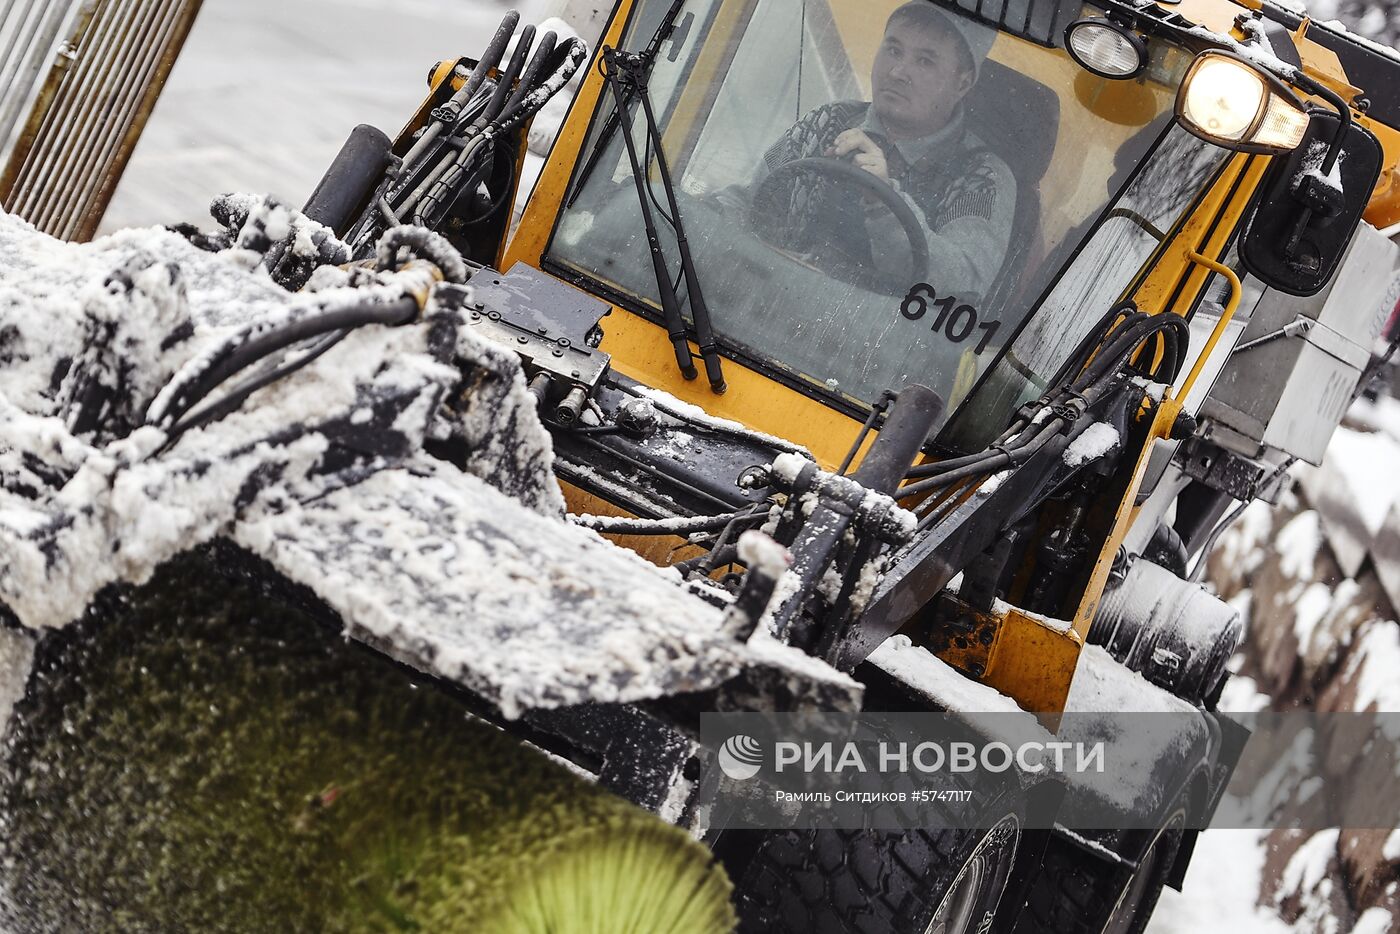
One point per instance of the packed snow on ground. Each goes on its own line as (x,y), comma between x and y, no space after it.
(1227,866)
(1224,876)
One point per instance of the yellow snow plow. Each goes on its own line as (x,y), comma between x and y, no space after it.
(846,358)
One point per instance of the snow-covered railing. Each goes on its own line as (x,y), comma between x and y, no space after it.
(85,109)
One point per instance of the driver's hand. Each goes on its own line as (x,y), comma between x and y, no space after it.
(865,153)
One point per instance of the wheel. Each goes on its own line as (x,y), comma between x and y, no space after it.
(916,881)
(816,206)
(1135,905)
(1079,893)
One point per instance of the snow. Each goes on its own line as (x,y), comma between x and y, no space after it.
(1383,415)
(16,657)
(1311,167)
(1220,889)
(1101,683)
(1308,866)
(935,679)
(1374,921)
(1096,441)
(693,413)
(455,579)
(1001,608)
(1262,57)
(1362,465)
(1298,543)
(761,553)
(1242,695)
(1310,609)
(1391,849)
(469,575)
(1374,661)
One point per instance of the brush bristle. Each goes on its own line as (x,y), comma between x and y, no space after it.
(204,759)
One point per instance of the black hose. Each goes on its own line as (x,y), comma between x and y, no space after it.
(251,351)
(544,50)
(568,57)
(490,58)
(235,397)
(505,87)
(433,247)
(1079,357)
(1127,340)
(988,462)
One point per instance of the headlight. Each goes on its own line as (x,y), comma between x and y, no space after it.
(1227,101)
(1106,49)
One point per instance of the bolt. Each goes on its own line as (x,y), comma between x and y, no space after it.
(523,339)
(1184,426)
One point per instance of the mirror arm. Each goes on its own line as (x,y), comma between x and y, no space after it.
(1305,215)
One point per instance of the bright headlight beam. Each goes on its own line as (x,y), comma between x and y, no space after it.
(1231,103)
(1224,98)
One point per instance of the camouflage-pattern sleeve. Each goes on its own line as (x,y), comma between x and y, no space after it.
(812,135)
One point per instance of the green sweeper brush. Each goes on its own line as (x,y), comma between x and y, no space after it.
(204,759)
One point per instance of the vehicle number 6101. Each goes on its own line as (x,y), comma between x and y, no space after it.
(958,321)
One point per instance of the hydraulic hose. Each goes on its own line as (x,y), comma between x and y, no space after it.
(509,106)
(447,114)
(234,398)
(249,352)
(531,76)
(505,86)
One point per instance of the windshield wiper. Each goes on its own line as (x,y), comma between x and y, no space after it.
(626,74)
(610,125)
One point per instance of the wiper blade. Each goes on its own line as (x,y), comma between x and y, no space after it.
(626,72)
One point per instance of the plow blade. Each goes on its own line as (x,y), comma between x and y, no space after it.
(449,576)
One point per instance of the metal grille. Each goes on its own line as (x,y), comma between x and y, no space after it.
(88,98)
(1039,21)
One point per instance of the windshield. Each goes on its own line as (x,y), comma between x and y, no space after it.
(875,193)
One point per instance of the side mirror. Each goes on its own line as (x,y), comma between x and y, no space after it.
(1304,217)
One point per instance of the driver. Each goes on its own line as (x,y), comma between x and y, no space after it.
(913,136)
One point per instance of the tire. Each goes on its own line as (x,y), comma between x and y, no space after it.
(1079,893)
(874,882)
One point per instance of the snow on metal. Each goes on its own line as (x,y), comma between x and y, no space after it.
(323,475)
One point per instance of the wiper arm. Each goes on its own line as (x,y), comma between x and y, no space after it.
(624,72)
(648,58)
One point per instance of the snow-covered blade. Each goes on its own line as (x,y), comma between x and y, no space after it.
(463,569)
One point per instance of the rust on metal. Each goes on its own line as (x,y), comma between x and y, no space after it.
(90,111)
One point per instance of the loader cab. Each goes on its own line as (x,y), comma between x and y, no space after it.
(1041,152)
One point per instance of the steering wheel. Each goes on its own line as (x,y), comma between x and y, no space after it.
(792,216)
